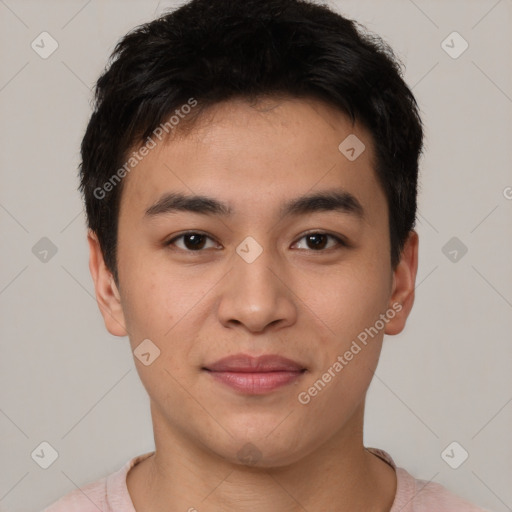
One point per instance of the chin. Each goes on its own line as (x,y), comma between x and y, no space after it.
(262,452)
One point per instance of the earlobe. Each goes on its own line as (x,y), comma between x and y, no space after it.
(404,283)
(107,294)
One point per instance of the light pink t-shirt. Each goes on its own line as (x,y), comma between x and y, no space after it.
(110,494)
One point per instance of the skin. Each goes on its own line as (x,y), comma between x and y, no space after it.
(293,300)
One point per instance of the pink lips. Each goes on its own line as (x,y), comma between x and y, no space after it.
(255,375)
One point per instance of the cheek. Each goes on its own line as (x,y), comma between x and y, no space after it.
(151,296)
(147,309)
(345,300)
(351,306)
(167,309)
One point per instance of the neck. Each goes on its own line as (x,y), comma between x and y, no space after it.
(185,476)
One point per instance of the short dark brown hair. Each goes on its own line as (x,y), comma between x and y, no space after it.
(216,50)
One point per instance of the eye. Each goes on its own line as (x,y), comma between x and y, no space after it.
(192,241)
(318,241)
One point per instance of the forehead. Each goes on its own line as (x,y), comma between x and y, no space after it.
(271,150)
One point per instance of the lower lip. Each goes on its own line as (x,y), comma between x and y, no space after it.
(256,383)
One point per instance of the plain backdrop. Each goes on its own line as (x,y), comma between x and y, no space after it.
(66,381)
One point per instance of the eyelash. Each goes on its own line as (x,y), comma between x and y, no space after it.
(340,241)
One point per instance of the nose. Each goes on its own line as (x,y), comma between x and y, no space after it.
(257,295)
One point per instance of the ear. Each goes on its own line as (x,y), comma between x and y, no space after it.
(107,294)
(404,282)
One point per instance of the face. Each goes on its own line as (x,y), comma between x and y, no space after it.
(285,252)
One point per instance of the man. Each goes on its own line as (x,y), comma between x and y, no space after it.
(250,179)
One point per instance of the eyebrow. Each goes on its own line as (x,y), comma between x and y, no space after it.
(332,200)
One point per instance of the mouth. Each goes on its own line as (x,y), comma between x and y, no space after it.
(255,375)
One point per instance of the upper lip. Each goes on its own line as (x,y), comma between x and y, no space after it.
(249,364)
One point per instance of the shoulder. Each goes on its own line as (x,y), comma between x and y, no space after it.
(423,496)
(413,495)
(110,493)
(89,498)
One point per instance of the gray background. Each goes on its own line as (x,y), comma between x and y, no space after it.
(66,381)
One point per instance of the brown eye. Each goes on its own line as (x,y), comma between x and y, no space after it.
(319,241)
(191,241)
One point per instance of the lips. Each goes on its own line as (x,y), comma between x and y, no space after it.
(255,375)
(242,363)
